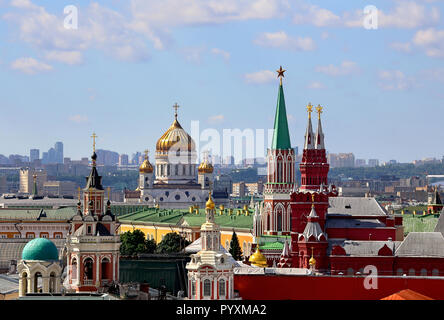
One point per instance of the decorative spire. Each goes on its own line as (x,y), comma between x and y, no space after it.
(281,135)
(319,134)
(94,180)
(209,208)
(94,136)
(34,189)
(309,132)
(312,260)
(175,106)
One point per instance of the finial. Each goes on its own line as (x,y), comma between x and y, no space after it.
(309,109)
(78,193)
(319,110)
(94,136)
(146,154)
(312,200)
(109,189)
(176,106)
(280,72)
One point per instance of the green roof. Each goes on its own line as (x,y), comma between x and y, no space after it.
(34,213)
(40,249)
(281,135)
(272,246)
(177,216)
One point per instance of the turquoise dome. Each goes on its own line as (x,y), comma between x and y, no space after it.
(40,249)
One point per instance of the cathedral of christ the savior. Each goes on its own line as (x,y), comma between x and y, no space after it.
(175,180)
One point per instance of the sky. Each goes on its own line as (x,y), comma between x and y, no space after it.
(119,71)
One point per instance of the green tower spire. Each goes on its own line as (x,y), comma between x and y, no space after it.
(281,135)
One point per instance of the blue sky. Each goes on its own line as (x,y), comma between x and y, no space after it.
(128,62)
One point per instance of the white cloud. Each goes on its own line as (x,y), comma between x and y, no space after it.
(405,14)
(431,41)
(23,4)
(402,46)
(346,68)
(315,85)
(394,80)
(30,66)
(78,118)
(216,118)
(260,77)
(192,54)
(282,40)
(224,54)
(68,57)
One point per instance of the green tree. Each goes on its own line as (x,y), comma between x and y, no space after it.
(171,243)
(235,249)
(133,242)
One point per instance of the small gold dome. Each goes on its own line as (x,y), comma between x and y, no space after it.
(205,167)
(175,136)
(210,204)
(312,261)
(146,167)
(258,259)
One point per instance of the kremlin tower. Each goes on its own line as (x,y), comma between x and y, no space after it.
(280,173)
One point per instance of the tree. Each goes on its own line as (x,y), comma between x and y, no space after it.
(235,249)
(171,243)
(134,242)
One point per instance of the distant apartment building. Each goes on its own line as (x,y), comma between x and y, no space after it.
(223,182)
(3,185)
(53,155)
(27,180)
(107,158)
(34,154)
(427,161)
(341,160)
(59,188)
(242,189)
(373,162)
(136,159)
(123,160)
(360,163)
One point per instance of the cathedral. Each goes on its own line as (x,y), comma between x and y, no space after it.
(175,181)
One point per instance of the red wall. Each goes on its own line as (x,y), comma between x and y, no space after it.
(380,234)
(272,287)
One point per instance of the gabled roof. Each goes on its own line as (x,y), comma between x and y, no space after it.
(440,225)
(281,135)
(422,244)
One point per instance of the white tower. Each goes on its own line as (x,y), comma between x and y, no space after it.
(210,271)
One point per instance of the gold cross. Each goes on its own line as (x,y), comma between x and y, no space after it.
(146,153)
(78,189)
(280,72)
(176,106)
(94,136)
(319,110)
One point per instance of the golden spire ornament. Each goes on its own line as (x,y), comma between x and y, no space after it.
(146,154)
(94,136)
(280,72)
(309,109)
(319,110)
(176,106)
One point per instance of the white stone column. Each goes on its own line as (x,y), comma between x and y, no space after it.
(97,270)
(114,266)
(30,288)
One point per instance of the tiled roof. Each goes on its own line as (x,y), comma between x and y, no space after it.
(355,206)
(34,214)
(422,244)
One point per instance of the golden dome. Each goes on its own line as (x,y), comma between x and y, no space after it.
(258,259)
(312,261)
(146,166)
(205,167)
(175,136)
(210,204)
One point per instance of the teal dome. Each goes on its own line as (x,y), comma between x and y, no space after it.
(40,249)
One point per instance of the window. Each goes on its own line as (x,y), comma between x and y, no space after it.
(3,236)
(411,272)
(399,272)
(350,271)
(30,235)
(423,272)
(193,288)
(89,230)
(221,287)
(207,288)
(435,272)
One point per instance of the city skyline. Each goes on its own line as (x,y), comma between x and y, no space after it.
(380,88)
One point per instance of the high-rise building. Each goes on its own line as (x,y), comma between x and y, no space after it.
(34,154)
(107,158)
(123,160)
(360,163)
(341,160)
(58,152)
(27,180)
(373,162)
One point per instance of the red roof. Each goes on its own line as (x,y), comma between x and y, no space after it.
(407,295)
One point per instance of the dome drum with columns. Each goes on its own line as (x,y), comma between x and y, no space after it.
(174,180)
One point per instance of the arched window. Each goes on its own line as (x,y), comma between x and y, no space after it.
(208,242)
(411,272)
(350,271)
(193,287)
(435,272)
(423,272)
(37,282)
(221,288)
(88,269)
(74,268)
(399,272)
(176,170)
(207,288)
(24,283)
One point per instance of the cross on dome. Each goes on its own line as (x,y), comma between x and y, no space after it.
(94,136)
(175,106)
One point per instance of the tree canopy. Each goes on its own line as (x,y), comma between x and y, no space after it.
(235,249)
(134,242)
(172,243)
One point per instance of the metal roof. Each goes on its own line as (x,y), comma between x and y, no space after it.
(422,244)
(355,206)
